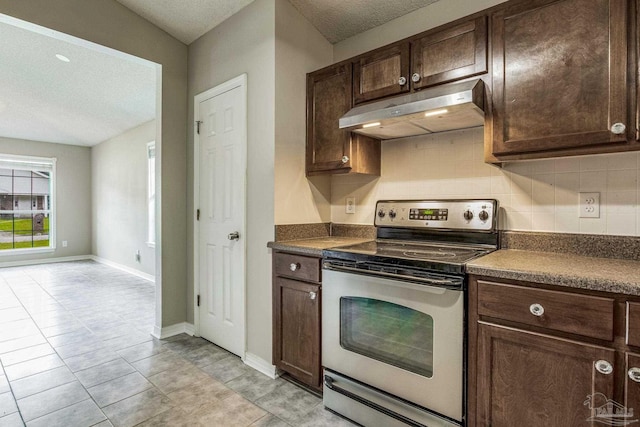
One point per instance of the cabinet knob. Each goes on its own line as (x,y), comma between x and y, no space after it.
(604,367)
(402,81)
(536,309)
(312,295)
(345,159)
(415,77)
(618,128)
(634,374)
(294,266)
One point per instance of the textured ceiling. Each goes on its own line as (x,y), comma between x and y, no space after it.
(185,20)
(338,20)
(90,99)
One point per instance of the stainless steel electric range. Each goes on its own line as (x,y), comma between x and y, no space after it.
(393,313)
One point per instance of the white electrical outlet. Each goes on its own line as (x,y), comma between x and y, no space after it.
(350,206)
(64,243)
(589,205)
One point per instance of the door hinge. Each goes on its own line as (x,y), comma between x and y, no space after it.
(198,126)
(198,300)
(198,215)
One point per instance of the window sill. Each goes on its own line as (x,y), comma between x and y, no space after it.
(25,251)
(151,244)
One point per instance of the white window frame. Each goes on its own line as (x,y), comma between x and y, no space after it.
(11,161)
(151,194)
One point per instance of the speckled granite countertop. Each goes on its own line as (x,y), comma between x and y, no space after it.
(314,246)
(575,271)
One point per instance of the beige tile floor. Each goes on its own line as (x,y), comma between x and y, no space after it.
(75,350)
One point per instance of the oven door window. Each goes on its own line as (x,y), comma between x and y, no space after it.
(390,333)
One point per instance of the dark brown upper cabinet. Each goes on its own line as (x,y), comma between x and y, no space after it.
(560,78)
(450,54)
(329,149)
(381,73)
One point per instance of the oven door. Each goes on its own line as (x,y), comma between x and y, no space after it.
(403,338)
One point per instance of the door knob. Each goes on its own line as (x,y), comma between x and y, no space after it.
(234,236)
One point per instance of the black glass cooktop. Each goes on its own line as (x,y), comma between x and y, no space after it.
(427,256)
(416,251)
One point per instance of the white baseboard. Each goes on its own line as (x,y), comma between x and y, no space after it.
(260,365)
(45,260)
(122,267)
(169,331)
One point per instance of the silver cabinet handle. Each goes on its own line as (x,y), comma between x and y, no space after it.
(415,77)
(402,81)
(312,295)
(618,128)
(344,159)
(536,309)
(234,236)
(634,374)
(294,266)
(604,367)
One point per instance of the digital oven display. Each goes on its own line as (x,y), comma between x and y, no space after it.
(429,214)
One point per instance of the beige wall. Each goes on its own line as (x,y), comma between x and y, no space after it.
(73,195)
(119,181)
(244,44)
(438,13)
(300,49)
(108,23)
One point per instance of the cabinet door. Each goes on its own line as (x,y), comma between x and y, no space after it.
(452,54)
(559,76)
(632,382)
(378,74)
(328,99)
(528,379)
(296,348)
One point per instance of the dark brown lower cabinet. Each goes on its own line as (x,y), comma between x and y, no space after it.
(296,324)
(553,356)
(632,383)
(530,379)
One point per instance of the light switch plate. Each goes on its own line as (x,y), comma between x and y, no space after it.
(589,205)
(350,206)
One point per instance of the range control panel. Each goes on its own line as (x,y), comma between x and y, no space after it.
(471,214)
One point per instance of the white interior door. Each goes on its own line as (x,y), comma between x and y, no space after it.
(221,231)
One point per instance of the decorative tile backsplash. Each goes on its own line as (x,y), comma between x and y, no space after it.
(537,195)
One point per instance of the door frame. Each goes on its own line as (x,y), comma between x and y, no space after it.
(236,82)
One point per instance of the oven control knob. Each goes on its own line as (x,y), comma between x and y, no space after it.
(381,213)
(392,214)
(483,215)
(468,215)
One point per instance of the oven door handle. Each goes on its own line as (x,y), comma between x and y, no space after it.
(328,382)
(440,283)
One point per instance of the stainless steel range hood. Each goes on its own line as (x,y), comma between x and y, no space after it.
(438,109)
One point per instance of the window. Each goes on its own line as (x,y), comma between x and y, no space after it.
(27,198)
(151,192)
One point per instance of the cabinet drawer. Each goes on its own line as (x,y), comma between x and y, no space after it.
(297,266)
(633,323)
(561,311)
